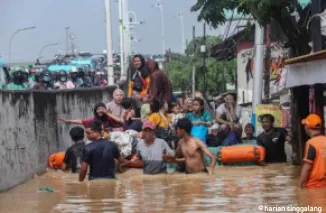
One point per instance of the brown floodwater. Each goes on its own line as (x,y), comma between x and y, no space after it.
(233,189)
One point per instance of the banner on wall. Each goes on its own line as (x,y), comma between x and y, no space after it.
(274,110)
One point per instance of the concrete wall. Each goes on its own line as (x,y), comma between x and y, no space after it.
(30,132)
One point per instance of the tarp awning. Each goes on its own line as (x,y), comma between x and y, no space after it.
(306,70)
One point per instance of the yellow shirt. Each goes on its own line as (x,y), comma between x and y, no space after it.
(159,121)
(144,90)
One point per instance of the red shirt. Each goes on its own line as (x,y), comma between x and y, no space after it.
(106,124)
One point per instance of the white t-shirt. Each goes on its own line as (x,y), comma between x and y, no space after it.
(222,110)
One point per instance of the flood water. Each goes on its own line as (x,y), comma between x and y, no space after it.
(233,189)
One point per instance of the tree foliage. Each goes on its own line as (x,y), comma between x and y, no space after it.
(179,69)
(264,11)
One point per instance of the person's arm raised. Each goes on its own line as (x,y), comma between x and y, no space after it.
(70,121)
(219,112)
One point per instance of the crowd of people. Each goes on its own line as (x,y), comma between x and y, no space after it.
(171,130)
(23,78)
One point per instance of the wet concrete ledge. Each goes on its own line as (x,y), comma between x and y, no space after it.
(29,129)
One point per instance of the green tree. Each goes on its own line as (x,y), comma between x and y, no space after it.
(179,68)
(281,11)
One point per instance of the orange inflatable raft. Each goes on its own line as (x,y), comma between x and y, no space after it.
(134,164)
(56,160)
(245,153)
(137,164)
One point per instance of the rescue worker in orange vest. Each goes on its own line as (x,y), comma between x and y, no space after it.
(313,172)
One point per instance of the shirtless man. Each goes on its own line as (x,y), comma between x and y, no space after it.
(192,149)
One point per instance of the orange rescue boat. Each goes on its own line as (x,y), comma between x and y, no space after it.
(56,160)
(238,154)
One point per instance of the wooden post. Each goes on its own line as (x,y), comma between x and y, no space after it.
(319,103)
(267,65)
(299,110)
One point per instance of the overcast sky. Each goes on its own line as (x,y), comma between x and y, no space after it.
(86,20)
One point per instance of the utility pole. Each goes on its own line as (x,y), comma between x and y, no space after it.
(194,62)
(122,54)
(67,40)
(126,28)
(72,47)
(203,50)
(317,46)
(127,36)
(179,15)
(258,70)
(268,64)
(109,41)
(162,25)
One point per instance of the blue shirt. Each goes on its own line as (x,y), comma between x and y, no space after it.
(100,155)
(204,116)
(199,131)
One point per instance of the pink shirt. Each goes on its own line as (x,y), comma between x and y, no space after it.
(65,85)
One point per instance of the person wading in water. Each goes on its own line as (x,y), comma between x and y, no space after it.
(74,153)
(192,149)
(313,173)
(150,150)
(99,155)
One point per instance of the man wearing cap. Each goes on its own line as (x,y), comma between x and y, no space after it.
(151,150)
(313,172)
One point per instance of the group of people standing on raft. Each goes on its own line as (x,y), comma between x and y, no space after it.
(173,132)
